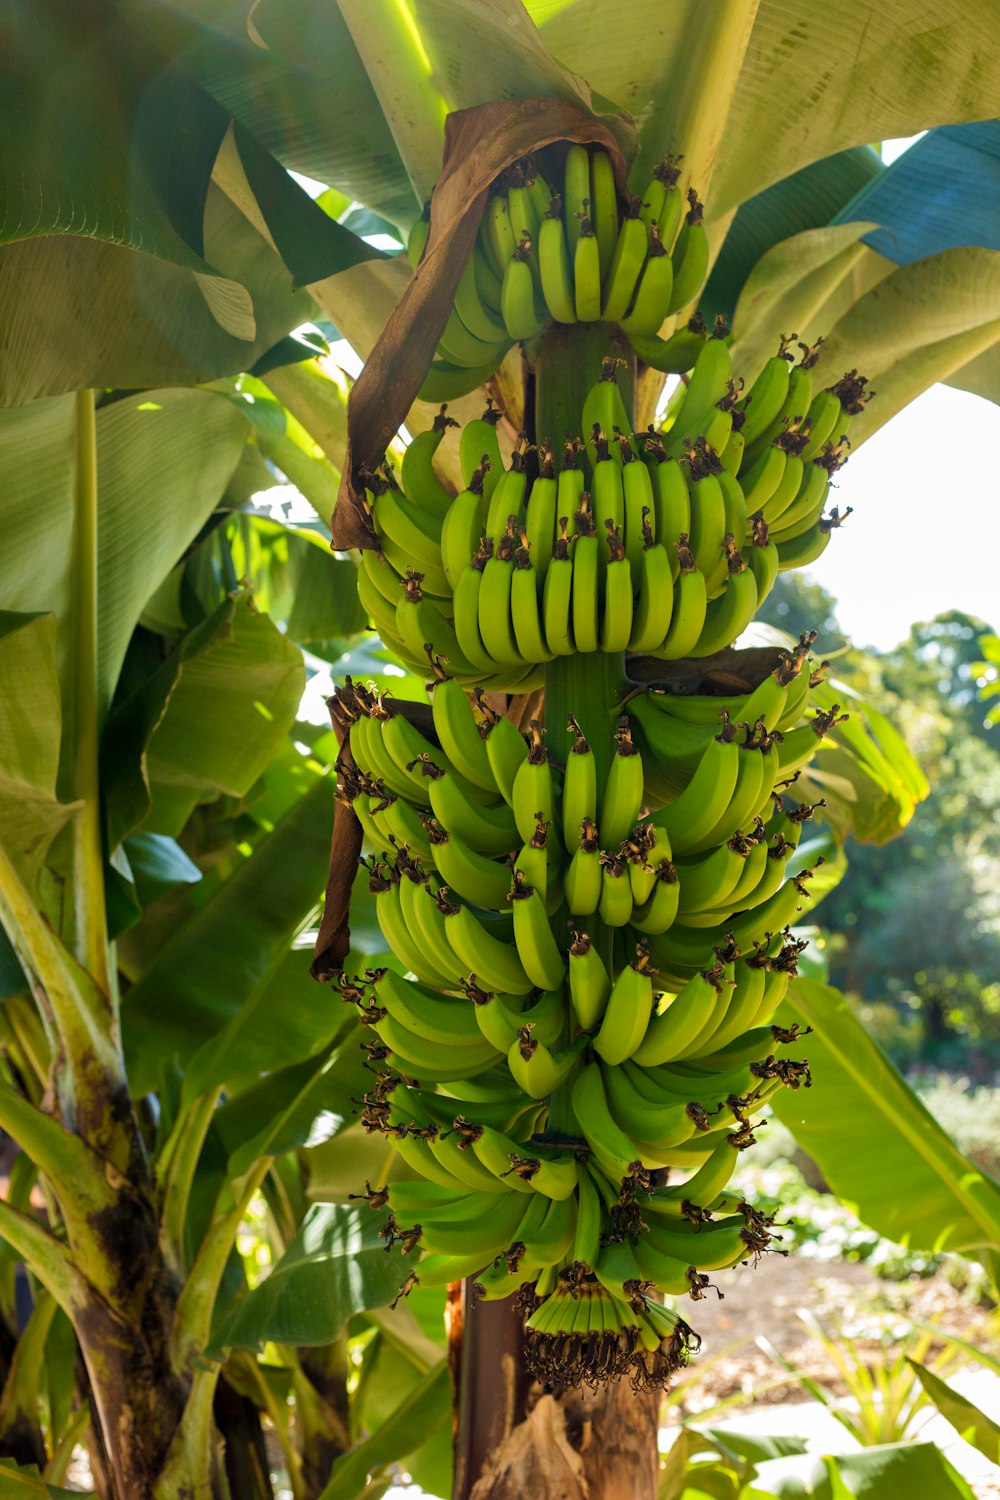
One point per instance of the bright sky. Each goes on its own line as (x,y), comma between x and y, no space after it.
(925,534)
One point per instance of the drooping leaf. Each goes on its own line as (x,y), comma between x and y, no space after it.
(874,1141)
(30,728)
(335,1267)
(311,243)
(207,722)
(800,284)
(968,1420)
(923,322)
(214,963)
(295,81)
(755,1447)
(80,312)
(864,770)
(176,449)
(942,193)
(808,199)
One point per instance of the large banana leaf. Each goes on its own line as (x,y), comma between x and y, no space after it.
(30,730)
(207,722)
(784,84)
(943,192)
(335,1267)
(174,449)
(865,772)
(873,1140)
(356,94)
(968,1420)
(114,236)
(808,199)
(214,964)
(934,214)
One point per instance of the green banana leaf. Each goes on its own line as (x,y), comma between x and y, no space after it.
(923,322)
(28,1484)
(294,576)
(885,1473)
(968,1421)
(941,193)
(345,96)
(302,1105)
(113,243)
(940,196)
(803,283)
(809,199)
(774,78)
(207,722)
(425,1409)
(335,1267)
(30,730)
(873,1140)
(175,449)
(209,969)
(864,770)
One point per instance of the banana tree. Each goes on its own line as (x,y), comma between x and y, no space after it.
(151,700)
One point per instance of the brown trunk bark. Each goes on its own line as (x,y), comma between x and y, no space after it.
(138,1397)
(513,1443)
(585,1446)
(136,1392)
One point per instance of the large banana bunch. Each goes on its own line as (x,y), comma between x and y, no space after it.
(489,865)
(662,543)
(569,250)
(590,937)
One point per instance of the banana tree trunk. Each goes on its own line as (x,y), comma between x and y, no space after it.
(515,1443)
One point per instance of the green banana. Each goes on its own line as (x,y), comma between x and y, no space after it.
(584,874)
(420,483)
(604,207)
(651,304)
(554,265)
(622,796)
(589,982)
(626,265)
(533,937)
(463,524)
(485,956)
(690,256)
(629,1007)
(587,274)
(517,296)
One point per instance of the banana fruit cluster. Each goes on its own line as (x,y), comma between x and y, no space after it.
(568,251)
(492,860)
(662,543)
(590,941)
